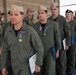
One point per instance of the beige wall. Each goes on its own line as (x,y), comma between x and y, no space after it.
(1,5)
(34,4)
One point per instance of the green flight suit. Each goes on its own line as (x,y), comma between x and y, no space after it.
(1,32)
(50,37)
(72,48)
(65,33)
(1,38)
(28,21)
(20,48)
(5,26)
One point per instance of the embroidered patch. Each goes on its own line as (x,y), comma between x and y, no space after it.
(57,23)
(39,28)
(22,32)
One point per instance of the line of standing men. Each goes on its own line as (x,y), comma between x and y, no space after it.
(65,33)
(1,36)
(19,43)
(72,49)
(52,32)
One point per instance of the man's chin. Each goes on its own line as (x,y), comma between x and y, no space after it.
(13,23)
(41,19)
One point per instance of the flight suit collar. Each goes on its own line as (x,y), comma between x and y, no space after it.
(46,28)
(23,28)
(47,23)
(20,34)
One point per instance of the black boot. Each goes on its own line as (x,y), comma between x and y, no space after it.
(68,72)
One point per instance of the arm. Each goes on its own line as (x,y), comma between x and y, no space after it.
(4,57)
(57,40)
(67,33)
(37,44)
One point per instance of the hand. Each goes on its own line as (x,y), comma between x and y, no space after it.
(37,68)
(57,54)
(4,71)
(67,47)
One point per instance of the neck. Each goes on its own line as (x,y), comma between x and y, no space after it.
(18,26)
(68,20)
(54,16)
(44,21)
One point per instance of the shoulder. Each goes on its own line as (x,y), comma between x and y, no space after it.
(7,24)
(36,24)
(74,22)
(7,31)
(25,18)
(29,29)
(52,23)
(61,17)
(50,18)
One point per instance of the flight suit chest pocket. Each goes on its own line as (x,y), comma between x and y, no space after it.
(11,41)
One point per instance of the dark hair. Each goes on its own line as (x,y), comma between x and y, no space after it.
(8,12)
(44,11)
(20,13)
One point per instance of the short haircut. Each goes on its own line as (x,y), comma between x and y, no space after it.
(44,11)
(20,13)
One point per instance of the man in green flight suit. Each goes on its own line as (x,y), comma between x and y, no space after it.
(29,17)
(20,42)
(1,38)
(65,34)
(71,52)
(1,28)
(50,36)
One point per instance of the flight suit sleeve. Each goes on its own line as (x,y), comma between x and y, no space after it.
(5,54)
(75,27)
(38,47)
(25,20)
(67,33)
(1,34)
(57,37)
